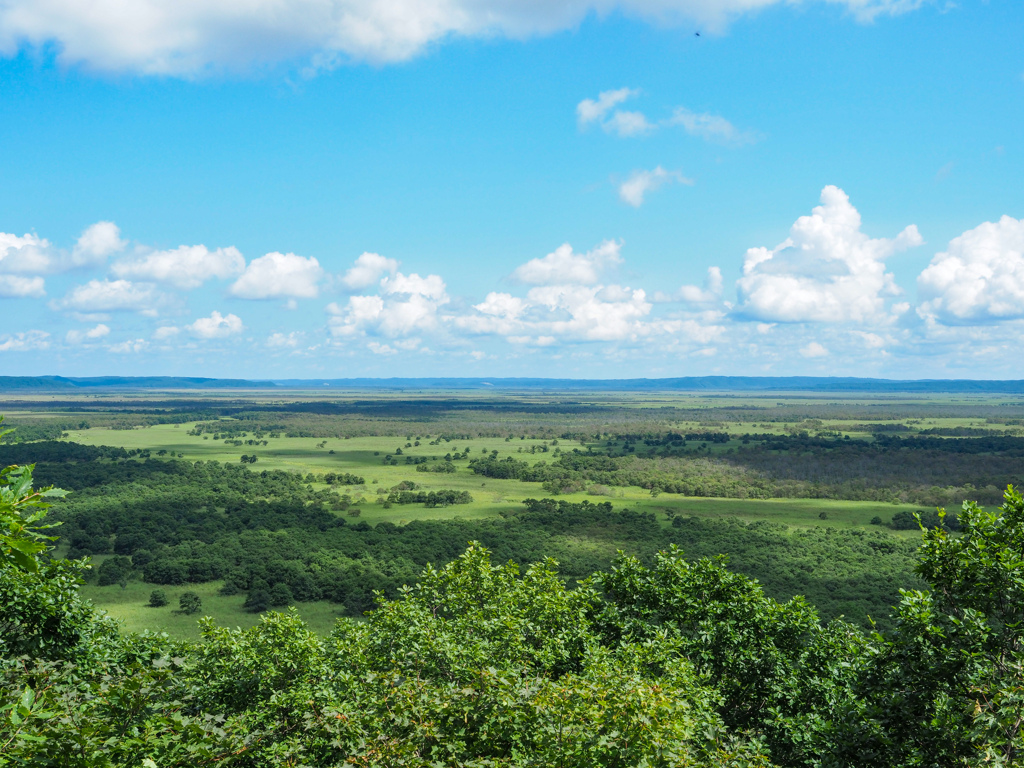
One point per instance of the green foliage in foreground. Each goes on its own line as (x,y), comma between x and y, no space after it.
(677,663)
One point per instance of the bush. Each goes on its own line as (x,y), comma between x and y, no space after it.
(190,603)
(280,595)
(157,598)
(114,570)
(257,601)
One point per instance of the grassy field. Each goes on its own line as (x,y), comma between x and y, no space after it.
(420,416)
(130,607)
(363,456)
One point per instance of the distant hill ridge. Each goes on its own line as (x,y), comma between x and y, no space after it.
(64,383)
(684,384)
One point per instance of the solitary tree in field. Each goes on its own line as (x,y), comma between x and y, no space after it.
(190,603)
(157,598)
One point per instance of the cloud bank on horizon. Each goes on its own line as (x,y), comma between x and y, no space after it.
(186,39)
(824,295)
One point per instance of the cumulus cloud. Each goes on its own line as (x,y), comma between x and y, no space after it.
(710,293)
(814,349)
(19,286)
(623,123)
(279,275)
(169,37)
(979,277)
(165,332)
(714,128)
(24,341)
(367,270)
(407,345)
(28,254)
(568,304)
(109,296)
(284,340)
(594,110)
(639,183)
(96,243)
(563,266)
(185,267)
(431,286)
(31,254)
(409,305)
(78,336)
(216,326)
(592,313)
(501,305)
(129,347)
(627,123)
(827,270)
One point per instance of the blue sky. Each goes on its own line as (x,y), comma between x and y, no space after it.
(283,188)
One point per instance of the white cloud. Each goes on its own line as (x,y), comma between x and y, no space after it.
(166,332)
(284,340)
(594,110)
(628,124)
(185,267)
(279,276)
(710,293)
(814,349)
(189,38)
(408,345)
(367,270)
(620,122)
(623,123)
(564,267)
(31,254)
(417,314)
(96,243)
(361,309)
(431,286)
(216,326)
(409,305)
(499,313)
(34,255)
(639,183)
(24,341)
(129,347)
(565,305)
(714,128)
(827,270)
(979,277)
(590,316)
(501,305)
(871,340)
(28,254)
(18,286)
(76,336)
(110,296)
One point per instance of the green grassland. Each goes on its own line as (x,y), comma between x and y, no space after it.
(130,607)
(526,426)
(363,456)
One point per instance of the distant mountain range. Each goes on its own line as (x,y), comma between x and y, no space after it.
(685,384)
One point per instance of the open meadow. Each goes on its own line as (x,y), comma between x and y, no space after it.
(463,464)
